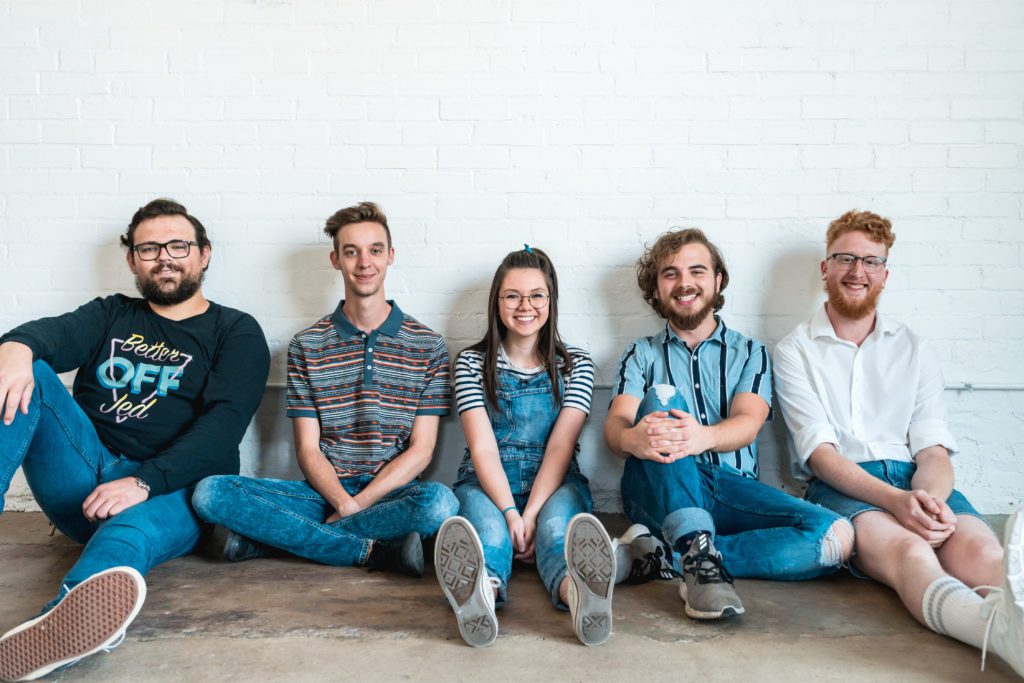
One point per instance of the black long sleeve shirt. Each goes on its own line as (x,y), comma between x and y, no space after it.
(175,395)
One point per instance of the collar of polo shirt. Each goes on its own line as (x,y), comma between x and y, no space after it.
(346,329)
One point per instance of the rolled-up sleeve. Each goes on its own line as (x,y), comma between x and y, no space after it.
(928,426)
(802,411)
(756,376)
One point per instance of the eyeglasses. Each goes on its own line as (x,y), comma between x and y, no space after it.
(150,251)
(513,299)
(872,264)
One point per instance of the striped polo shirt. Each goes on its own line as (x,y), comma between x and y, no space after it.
(366,388)
(723,365)
(469,379)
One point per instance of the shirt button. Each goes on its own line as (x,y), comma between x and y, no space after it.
(369,367)
(369,350)
(703,416)
(697,385)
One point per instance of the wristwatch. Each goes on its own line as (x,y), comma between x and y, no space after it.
(142,484)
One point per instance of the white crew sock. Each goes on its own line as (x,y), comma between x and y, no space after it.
(953,609)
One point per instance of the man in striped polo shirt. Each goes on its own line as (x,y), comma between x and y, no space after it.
(688,404)
(367,386)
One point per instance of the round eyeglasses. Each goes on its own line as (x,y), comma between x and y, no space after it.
(150,251)
(512,300)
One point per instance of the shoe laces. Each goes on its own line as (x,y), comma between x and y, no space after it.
(706,567)
(118,641)
(992,605)
(651,566)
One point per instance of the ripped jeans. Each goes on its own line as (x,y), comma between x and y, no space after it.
(761,531)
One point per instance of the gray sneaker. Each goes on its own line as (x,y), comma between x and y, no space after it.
(640,557)
(707,588)
(590,567)
(459,563)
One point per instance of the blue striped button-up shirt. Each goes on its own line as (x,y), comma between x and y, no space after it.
(723,365)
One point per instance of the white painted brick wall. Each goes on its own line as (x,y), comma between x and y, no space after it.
(583,127)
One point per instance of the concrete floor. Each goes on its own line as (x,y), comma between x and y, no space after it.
(279,619)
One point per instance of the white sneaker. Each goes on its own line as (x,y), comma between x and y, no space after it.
(640,557)
(93,616)
(1005,631)
(590,567)
(459,562)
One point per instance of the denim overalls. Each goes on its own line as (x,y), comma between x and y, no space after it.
(522,424)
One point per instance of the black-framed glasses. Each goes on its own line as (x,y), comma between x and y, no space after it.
(872,264)
(512,300)
(150,251)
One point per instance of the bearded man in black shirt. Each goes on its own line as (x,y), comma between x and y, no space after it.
(165,389)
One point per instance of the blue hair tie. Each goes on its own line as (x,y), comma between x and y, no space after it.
(528,250)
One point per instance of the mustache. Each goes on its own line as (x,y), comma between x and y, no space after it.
(169,266)
(683,291)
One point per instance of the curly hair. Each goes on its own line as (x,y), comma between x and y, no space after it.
(878,229)
(667,245)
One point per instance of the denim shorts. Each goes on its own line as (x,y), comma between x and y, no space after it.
(894,472)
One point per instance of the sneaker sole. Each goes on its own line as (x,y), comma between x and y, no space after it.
(1013,546)
(91,617)
(459,563)
(724,613)
(590,566)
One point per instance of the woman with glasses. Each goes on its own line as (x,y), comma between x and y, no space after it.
(523,396)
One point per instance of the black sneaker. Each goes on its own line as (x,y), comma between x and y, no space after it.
(402,555)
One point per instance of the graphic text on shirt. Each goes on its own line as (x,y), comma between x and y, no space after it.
(134,375)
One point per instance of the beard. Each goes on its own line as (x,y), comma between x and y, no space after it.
(686,321)
(186,288)
(854,310)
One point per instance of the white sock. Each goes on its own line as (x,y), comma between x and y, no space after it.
(954,610)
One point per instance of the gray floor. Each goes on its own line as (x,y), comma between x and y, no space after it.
(293,620)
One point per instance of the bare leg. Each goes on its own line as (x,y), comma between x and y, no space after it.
(973,554)
(902,560)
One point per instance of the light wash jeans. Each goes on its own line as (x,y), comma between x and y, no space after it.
(571,498)
(762,532)
(290,515)
(64,460)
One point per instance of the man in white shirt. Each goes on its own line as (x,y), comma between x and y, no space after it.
(862,397)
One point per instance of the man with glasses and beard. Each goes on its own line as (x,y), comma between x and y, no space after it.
(688,404)
(862,397)
(165,388)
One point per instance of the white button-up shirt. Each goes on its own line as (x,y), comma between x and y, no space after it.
(879,401)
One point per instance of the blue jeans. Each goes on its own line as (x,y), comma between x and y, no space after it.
(290,515)
(893,472)
(64,460)
(569,499)
(761,531)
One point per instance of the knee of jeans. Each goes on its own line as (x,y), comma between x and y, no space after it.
(837,545)
(43,374)
(207,493)
(437,502)
(663,397)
